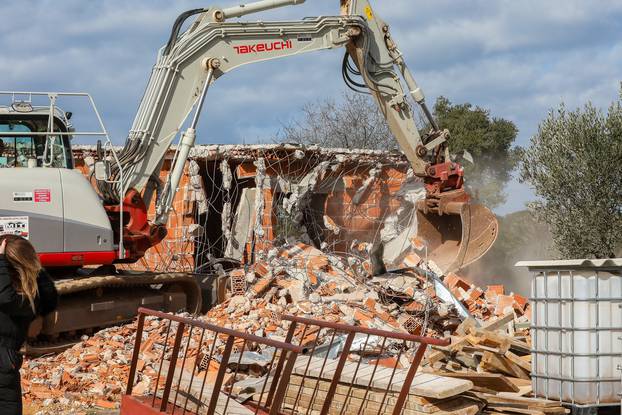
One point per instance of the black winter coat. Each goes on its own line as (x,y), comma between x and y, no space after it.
(15,311)
(16,314)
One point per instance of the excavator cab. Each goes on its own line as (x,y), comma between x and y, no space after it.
(34,135)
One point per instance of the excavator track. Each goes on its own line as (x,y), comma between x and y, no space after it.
(90,303)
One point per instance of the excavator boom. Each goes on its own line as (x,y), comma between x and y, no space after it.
(213,45)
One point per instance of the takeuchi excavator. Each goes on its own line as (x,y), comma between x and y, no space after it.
(73,226)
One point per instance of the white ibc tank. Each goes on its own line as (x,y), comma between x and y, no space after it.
(576,330)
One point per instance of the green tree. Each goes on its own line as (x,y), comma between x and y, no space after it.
(574,163)
(488,139)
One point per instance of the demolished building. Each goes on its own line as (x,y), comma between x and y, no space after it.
(236,202)
(293,229)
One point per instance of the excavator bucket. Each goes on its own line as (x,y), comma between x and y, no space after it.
(459,237)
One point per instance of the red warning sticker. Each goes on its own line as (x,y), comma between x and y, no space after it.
(43,195)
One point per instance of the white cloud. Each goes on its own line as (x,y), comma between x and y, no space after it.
(516,58)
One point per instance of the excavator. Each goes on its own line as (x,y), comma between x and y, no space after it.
(81,231)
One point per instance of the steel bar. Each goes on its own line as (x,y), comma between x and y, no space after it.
(139,335)
(168,330)
(181,371)
(192,376)
(401,399)
(280,393)
(221,375)
(279,366)
(337,376)
(171,368)
(319,377)
(371,378)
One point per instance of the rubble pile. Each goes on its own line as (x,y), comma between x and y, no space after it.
(301,280)
(492,301)
(92,373)
(304,281)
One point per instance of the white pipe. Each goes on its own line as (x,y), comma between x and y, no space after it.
(259,6)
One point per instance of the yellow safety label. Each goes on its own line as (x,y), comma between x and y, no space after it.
(369,13)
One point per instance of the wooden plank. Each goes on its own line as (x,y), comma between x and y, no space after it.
(527,409)
(356,392)
(464,328)
(515,410)
(498,323)
(470,360)
(518,346)
(523,384)
(493,381)
(424,384)
(359,400)
(498,363)
(505,398)
(480,348)
(518,361)
(490,339)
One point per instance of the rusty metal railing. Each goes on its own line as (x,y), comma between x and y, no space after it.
(370,360)
(186,387)
(315,369)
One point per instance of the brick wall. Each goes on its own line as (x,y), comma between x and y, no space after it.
(359,219)
(176,251)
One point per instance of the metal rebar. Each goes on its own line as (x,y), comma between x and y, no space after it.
(192,376)
(279,367)
(337,375)
(168,330)
(356,371)
(412,371)
(181,372)
(280,395)
(221,375)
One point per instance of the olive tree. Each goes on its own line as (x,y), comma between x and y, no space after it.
(574,164)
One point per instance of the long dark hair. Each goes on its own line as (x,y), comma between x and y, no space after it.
(22,256)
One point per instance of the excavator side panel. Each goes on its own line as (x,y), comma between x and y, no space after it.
(59,212)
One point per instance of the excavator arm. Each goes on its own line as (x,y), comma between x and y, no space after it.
(456,232)
(212,46)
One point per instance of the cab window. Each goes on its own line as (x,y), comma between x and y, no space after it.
(16,151)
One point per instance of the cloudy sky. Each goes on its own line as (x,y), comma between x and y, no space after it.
(517,58)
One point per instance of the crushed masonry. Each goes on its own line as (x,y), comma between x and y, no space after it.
(302,280)
(238,201)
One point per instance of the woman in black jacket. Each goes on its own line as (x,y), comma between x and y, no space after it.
(26,291)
